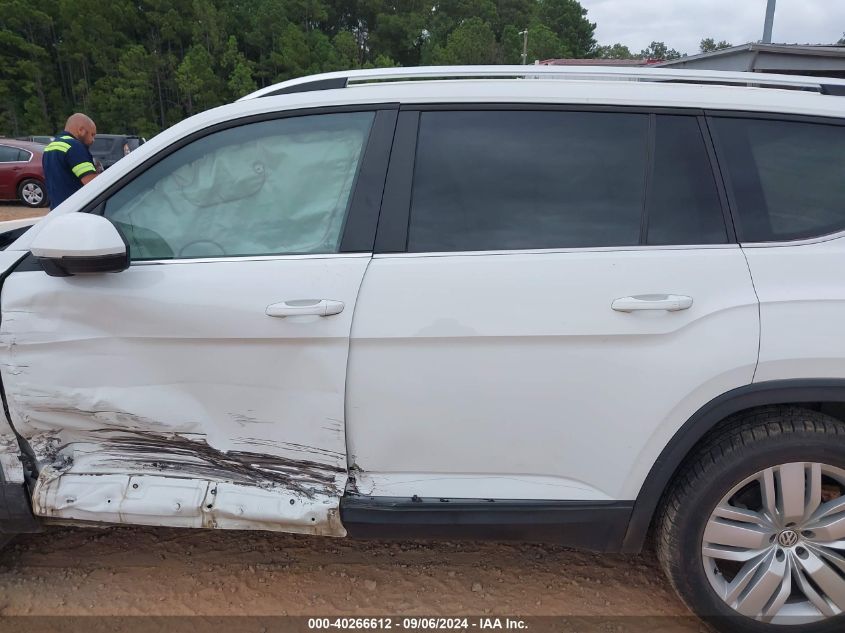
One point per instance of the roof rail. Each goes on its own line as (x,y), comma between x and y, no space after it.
(342,79)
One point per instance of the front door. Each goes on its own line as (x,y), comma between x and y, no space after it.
(203,386)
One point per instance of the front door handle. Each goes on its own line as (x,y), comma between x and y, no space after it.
(670,303)
(305,307)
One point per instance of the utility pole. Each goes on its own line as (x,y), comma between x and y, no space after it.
(524,35)
(770,19)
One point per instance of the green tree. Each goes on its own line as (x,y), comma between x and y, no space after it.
(399,34)
(472,42)
(143,65)
(510,46)
(308,14)
(568,20)
(515,13)
(446,16)
(708,45)
(543,43)
(29,90)
(659,50)
(348,52)
(207,27)
(124,101)
(614,51)
(291,53)
(239,79)
(383,61)
(196,79)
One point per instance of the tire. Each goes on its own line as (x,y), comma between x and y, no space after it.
(32,193)
(775,547)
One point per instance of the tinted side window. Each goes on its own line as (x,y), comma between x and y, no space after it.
(8,154)
(491,180)
(102,145)
(683,201)
(786,177)
(275,187)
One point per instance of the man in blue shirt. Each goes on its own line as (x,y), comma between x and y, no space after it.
(67,162)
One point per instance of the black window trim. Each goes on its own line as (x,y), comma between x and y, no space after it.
(392,234)
(649,167)
(724,177)
(774,116)
(555,107)
(393,229)
(719,178)
(361,221)
(359,230)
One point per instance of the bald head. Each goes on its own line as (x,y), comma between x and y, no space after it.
(82,127)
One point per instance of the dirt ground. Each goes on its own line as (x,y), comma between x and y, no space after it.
(16,211)
(159,571)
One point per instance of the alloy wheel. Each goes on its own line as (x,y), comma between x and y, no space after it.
(32,194)
(774,546)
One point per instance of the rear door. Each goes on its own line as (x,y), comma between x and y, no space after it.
(563,293)
(10,166)
(789,197)
(204,386)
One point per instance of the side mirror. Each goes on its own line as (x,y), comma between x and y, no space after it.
(78,243)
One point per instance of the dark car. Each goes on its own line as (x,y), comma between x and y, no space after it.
(110,148)
(21,175)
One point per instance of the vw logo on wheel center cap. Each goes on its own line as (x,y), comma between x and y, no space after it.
(788,538)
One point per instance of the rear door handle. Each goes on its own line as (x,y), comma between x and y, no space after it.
(670,303)
(305,307)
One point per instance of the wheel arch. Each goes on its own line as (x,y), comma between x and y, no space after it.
(805,391)
(29,176)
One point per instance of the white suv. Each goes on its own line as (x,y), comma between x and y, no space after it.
(576,305)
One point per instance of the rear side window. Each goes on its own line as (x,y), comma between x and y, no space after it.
(787,178)
(9,154)
(502,180)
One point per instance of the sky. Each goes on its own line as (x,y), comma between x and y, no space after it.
(683,23)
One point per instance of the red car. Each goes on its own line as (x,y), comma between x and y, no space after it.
(21,175)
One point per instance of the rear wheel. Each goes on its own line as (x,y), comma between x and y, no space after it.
(752,533)
(32,193)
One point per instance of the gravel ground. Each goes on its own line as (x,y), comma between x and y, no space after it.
(16,211)
(159,571)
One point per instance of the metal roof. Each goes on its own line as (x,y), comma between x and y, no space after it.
(758,47)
